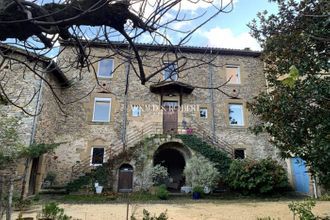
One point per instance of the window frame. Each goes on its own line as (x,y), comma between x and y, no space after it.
(140,111)
(112,71)
(242,114)
(239,74)
(109,113)
(206,115)
(168,64)
(244,153)
(91,157)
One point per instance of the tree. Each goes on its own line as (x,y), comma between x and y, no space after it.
(296,109)
(42,24)
(13,150)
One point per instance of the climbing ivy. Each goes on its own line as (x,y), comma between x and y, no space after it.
(218,157)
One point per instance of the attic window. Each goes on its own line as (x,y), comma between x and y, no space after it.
(170,72)
(106,67)
(233,74)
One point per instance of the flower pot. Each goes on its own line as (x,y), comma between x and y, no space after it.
(99,189)
(196,195)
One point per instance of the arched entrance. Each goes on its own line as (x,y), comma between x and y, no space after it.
(173,156)
(125,179)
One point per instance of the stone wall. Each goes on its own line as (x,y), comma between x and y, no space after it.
(71,123)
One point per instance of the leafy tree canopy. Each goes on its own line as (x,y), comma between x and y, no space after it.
(296,109)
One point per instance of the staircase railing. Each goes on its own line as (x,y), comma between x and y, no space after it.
(148,129)
(132,137)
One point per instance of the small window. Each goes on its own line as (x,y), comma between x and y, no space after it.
(233,74)
(236,117)
(203,112)
(239,153)
(97,156)
(102,108)
(136,111)
(170,72)
(105,69)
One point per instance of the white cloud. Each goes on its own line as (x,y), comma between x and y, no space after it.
(225,38)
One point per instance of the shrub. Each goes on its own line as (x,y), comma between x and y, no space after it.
(161,192)
(200,172)
(53,212)
(198,189)
(265,176)
(146,216)
(303,209)
(219,158)
(149,176)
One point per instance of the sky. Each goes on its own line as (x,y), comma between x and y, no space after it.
(230,30)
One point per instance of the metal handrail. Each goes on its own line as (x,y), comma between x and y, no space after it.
(153,128)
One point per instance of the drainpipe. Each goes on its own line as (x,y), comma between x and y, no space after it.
(33,133)
(315,188)
(211,96)
(124,122)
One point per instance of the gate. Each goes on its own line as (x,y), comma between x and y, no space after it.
(300,175)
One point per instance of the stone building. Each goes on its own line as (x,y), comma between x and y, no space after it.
(106,109)
(102,119)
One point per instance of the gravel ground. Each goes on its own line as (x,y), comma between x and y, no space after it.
(187,211)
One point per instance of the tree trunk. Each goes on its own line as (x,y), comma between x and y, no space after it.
(10,199)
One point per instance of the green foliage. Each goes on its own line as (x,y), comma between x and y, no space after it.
(162,193)
(147,216)
(53,212)
(100,175)
(218,157)
(198,189)
(265,176)
(199,171)
(159,175)
(51,176)
(303,209)
(11,146)
(296,111)
(21,204)
(36,150)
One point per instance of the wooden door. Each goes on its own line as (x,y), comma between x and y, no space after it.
(125,180)
(170,117)
(33,176)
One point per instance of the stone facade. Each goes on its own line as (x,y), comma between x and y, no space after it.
(71,124)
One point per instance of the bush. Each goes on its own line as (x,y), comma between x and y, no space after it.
(150,176)
(304,210)
(161,192)
(53,212)
(146,216)
(219,158)
(200,172)
(265,176)
(198,189)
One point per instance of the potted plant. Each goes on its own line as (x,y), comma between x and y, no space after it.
(197,192)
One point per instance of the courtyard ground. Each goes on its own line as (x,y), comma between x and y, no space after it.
(187,210)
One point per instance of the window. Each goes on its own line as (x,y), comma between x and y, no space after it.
(233,74)
(203,112)
(102,109)
(170,72)
(239,153)
(105,69)
(136,111)
(236,114)
(97,156)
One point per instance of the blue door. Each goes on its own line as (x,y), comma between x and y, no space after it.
(300,175)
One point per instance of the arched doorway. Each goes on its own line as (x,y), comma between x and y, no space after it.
(172,156)
(125,179)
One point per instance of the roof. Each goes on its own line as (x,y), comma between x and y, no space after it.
(171,86)
(49,64)
(171,48)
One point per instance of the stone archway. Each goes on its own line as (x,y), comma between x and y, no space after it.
(173,156)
